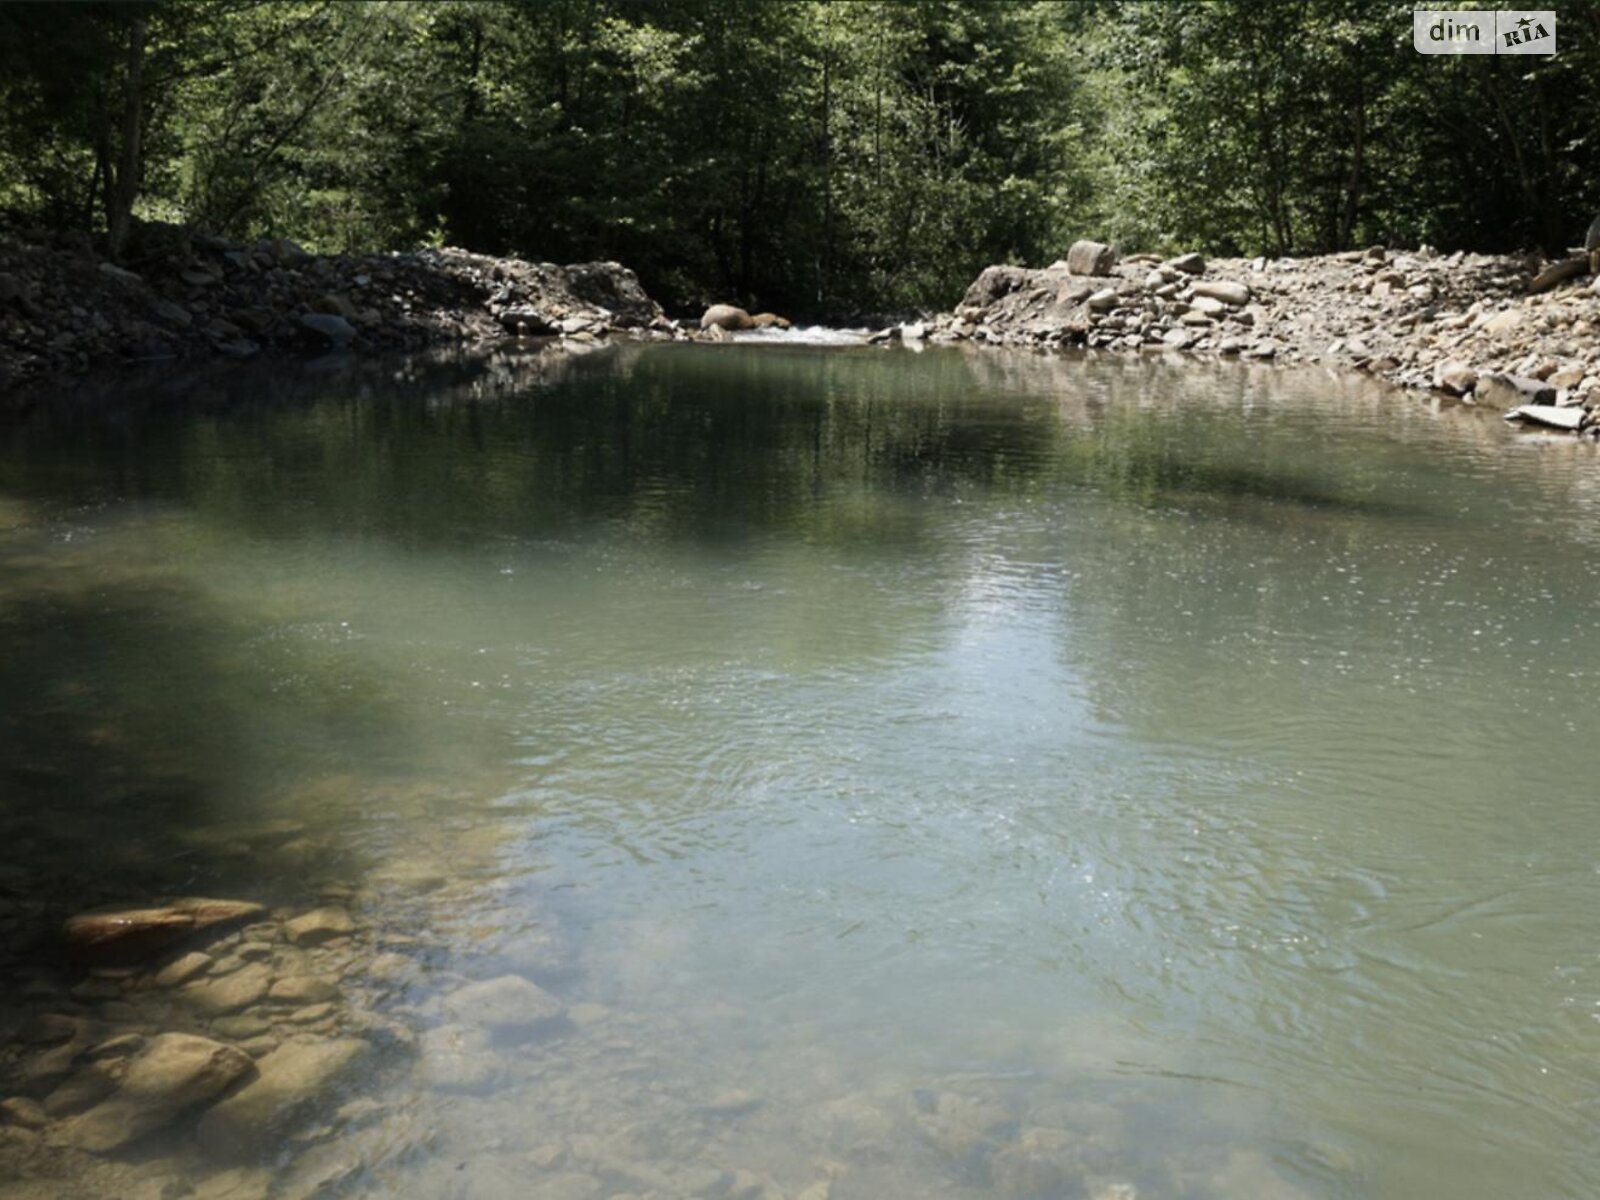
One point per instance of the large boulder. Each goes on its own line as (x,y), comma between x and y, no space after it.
(175,1072)
(616,289)
(1091,258)
(725,316)
(995,283)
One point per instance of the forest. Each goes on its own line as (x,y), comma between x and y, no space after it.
(822,158)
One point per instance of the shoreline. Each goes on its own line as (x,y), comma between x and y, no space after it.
(1494,331)
(64,311)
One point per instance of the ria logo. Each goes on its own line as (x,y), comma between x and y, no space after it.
(1527,30)
(1483,31)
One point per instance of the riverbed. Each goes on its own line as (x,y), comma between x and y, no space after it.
(942,774)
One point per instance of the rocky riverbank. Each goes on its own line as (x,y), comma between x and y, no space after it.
(1478,328)
(182,296)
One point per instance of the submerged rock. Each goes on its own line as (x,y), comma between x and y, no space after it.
(288,1079)
(507,1007)
(181,970)
(302,990)
(230,993)
(319,925)
(174,1072)
(88,1087)
(458,1058)
(124,934)
(19,1110)
(48,1029)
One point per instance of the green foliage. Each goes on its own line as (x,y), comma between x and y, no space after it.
(820,158)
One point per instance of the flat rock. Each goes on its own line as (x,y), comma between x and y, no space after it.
(302,990)
(1558,272)
(242,1026)
(1229,292)
(1189,264)
(182,970)
(1548,414)
(133,933)
(230,993)
(288,1079)
(174,1072)
(319,925)
(507,1006)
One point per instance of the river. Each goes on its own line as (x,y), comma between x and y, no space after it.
(949,774)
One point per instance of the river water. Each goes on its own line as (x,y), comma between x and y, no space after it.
(938,774)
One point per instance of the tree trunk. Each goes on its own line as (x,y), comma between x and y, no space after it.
(1352,187)
(122,185)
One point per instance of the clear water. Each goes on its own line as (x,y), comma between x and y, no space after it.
(936,774)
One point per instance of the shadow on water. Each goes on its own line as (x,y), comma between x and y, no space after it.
(134,730)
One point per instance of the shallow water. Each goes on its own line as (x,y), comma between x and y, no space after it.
(938,774)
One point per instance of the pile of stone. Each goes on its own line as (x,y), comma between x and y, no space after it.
(216,1015)
(1479,328)
(183,296)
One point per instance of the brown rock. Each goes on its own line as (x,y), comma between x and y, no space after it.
(135,933)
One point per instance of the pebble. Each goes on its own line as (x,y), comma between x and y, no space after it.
(182,970)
